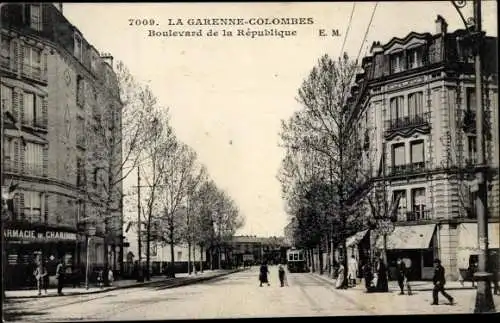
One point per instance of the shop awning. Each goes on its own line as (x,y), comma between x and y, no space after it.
(408,237)
(356,238)
(468,239)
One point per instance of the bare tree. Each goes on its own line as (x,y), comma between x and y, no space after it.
(324,126)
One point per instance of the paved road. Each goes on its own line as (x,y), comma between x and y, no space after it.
(236,296)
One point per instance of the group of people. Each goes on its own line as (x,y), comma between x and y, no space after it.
(264,272)
(42,277)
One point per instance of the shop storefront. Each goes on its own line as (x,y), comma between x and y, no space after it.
(26,246)
(416,244)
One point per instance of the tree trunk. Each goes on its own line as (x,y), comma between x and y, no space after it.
(211,253)
(329,253)
(312,261)
(320,253)
(194,259)
(189,257)
(219,258)
(148,249)
(172,256)
(201,258)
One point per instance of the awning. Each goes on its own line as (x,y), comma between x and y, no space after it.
(468,238)
(356,238)
(468,241)
(408,237)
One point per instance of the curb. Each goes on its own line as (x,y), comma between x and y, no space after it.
(414,288)
(180,282)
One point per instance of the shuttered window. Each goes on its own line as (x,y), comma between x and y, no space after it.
(32,208)
(33,159)
(28,112)
(471,99)
(6,96)
(5,53)
(32,62)
(398,153)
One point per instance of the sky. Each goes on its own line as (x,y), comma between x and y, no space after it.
(228,95)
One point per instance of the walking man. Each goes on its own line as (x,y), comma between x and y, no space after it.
(439,282)
(281,273)
(40,274)
(402,276)
(60,276)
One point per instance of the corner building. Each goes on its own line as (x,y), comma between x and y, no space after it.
(415,105)
(57,87)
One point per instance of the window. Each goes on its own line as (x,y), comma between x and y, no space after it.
(78,47)
(397,64)
(6,96)
(79,91)
(416,104)
(417,152)
(5,52)
(32,62)
(398,155)
(415,57)
(29,106)
(290,257)
(471,149)
(32,208)
(418,202)
(80,131)
(33,159)
(402,206)
(80,172)
(36,16)
(471,99)
(397,107)
(295,256)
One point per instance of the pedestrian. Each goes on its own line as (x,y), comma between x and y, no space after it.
(263,274)
(472,270)
(439,282)
(111,277)
(382,280)
(282,275)
(352,271)
(340,276)
(60,276)
(368,276)
(402,276)
(40,274)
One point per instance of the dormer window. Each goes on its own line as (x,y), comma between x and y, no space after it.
(78,47)
(36,16)
(397,62)
(415,57)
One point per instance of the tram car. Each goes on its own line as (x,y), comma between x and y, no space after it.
(296,261)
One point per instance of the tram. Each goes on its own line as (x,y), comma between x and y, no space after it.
(296,262)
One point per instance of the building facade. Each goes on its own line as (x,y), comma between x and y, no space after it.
(414,104)
(58,92)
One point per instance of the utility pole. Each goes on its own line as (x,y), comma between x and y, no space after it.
(139,244)
(484,297)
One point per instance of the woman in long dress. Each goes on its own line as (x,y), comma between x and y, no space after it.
(340,276)
(263,274)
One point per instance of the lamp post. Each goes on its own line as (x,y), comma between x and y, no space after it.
(91,233)
(484,297)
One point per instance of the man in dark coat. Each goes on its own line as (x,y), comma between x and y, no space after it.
(402,276)
(263,274)
(439,282)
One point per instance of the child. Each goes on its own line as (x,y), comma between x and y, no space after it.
(281,272)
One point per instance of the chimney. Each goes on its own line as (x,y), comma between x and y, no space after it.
(376,48)
(441,25)
(107,58)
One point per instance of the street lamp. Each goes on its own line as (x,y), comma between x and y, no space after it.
(91,233)
(484,297)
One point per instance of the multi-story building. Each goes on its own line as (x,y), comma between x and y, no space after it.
(64,101)
(414,104)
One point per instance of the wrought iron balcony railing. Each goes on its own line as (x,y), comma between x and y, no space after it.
(410,121)
(407,169)
(418,215)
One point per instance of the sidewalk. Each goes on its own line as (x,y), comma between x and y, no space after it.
(415,285)
(180,280)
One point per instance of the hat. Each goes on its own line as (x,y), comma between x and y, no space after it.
(437,261)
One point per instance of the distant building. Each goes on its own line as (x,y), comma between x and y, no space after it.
(56,86)
(271,249)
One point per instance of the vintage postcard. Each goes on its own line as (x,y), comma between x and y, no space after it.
(248,160)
